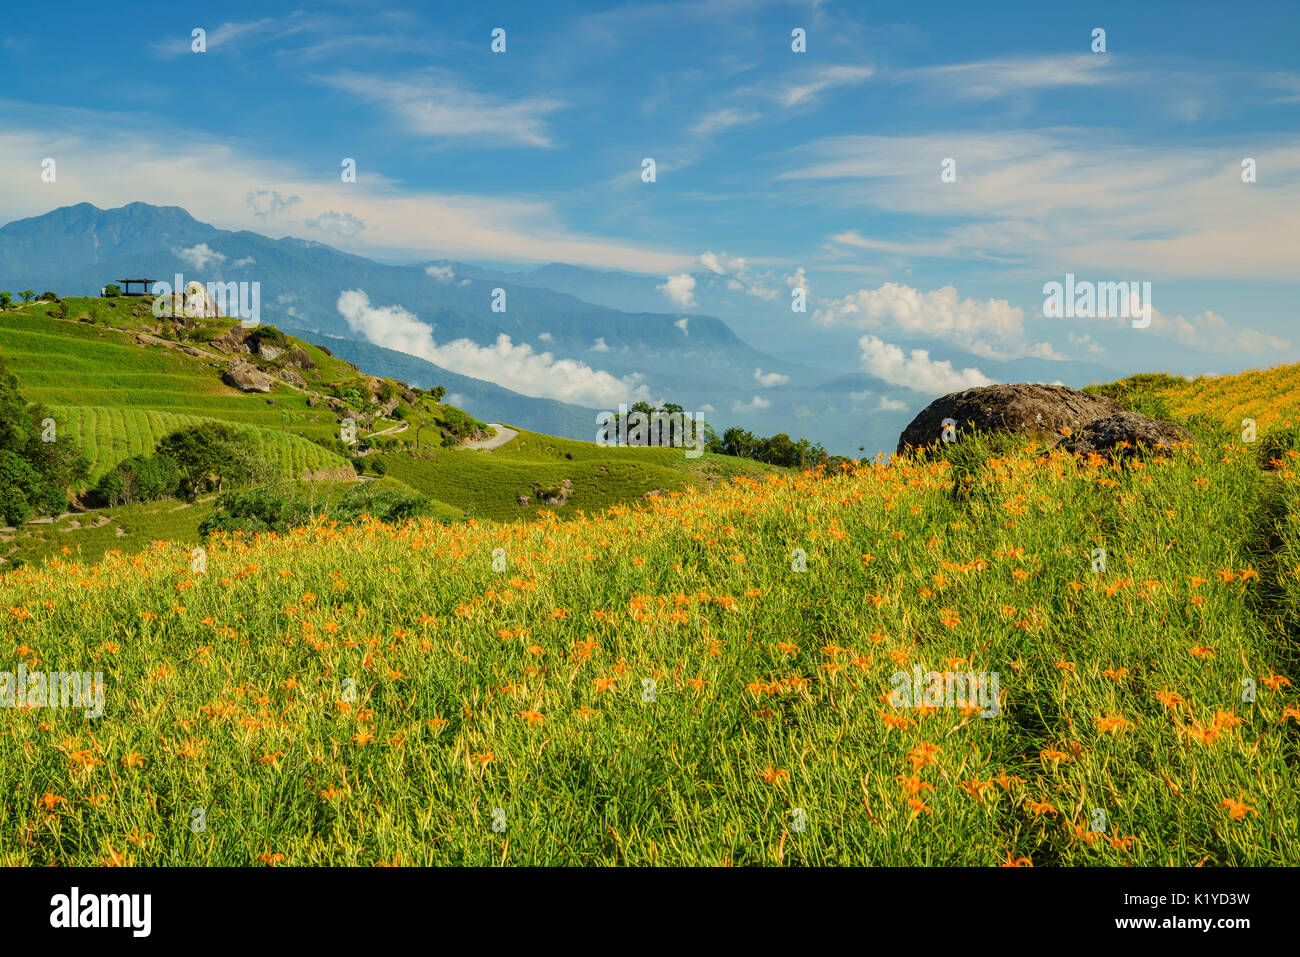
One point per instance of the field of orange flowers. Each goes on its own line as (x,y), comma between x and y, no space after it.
(663,685)
(1270,398)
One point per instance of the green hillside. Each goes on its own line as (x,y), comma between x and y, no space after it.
(110,435)
(487,485)
(118,379)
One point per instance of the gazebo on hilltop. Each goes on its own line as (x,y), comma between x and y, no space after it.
(126,285)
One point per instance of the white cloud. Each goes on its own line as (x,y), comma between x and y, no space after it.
(682,323)
(438,107)
(440,273)
(1212,333)
(266,203)
(916,371)
(989,79)
(679,289)
(722,264)
(1086,342)
(1179,210)
(599,345)
(993,329)
(706,408)
(770,379)
(545,337)
(200,255)
(516,367)
(738,274)
(246,261)
(723,119)
(822,79)
(754,405)
(340,224)
(890,405)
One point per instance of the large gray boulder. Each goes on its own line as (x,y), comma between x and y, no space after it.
(247,377)
(1036,411)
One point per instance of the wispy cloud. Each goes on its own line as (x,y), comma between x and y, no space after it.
(1170,211)
(439,107)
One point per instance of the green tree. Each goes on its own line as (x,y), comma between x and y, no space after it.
(112,289)
(49,296)
(28,295)
(438,393)
(37,466)
(209,456)
(5,300)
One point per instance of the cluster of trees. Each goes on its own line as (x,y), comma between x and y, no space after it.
(141,478)
(27,295)
(201,458)
(37,465)
(282,507)
(777,449)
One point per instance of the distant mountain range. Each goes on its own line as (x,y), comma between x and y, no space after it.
(612,322)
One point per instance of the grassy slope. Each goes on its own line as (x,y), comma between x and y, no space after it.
(487,484)
(1122,690)
(1271,397)
(76,368)
(119,397)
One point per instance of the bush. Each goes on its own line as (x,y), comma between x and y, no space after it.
(48,296)
(141,478)
(112,289)
(278,508)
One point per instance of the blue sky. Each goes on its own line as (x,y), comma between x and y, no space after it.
(774,168)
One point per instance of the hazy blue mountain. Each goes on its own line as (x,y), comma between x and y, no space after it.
(613,321)
(78,249)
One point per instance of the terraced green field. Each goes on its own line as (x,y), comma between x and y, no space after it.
(109,435)
(72,363)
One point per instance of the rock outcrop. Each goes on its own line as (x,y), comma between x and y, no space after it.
(1037,411)
(554,496)
(1061,417)
(247,377)
(1122,434)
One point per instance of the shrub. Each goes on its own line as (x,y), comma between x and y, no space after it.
(278,508)
(141,478)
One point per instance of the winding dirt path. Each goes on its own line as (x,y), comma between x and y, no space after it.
(503,436)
